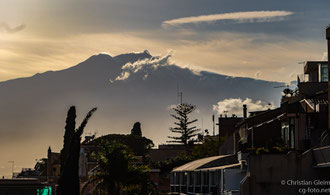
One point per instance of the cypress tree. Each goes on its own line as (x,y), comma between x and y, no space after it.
(69,179)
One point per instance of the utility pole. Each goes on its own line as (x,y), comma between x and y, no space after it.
(12,168)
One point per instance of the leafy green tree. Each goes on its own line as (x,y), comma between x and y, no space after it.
(69,179)
(136,129)
(186,133)
(118,170)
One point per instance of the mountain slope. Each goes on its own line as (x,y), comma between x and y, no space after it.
(125,88)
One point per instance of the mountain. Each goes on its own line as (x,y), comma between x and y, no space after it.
(125,88)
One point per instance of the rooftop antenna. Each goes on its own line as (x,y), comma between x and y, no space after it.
(179,94)
(180,97)
(213,124)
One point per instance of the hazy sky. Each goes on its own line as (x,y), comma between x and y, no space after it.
(250,38)
(256,38)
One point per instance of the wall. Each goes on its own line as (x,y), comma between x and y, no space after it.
(268,170)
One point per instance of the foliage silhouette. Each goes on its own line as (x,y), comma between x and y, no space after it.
(69,179)
(118,171)
(136,144)
(136,129)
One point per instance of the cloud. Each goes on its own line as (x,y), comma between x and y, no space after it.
(238,17)
(145,64)
(235,106)
(8,29)
(123,76)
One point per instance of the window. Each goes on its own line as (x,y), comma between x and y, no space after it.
(213,181)
(172,178)
(287,132)
(292,129)
(198,178)
(191,178)
(205,178)
(323,73)
(185,175)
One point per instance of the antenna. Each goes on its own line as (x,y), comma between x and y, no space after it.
(179,94)
(213,125)
(180,97)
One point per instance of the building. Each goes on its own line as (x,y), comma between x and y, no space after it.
(302,124)
(211,175)
(53,167)
(26,186)
(165,152)
(275,147)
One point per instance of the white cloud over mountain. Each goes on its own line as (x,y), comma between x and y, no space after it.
(238,17)
(146,64)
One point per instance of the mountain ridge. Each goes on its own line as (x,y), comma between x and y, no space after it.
(33,109)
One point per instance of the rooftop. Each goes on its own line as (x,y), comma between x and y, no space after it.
(312,66)
(207,163)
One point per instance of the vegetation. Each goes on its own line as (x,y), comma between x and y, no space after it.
(119,171)
(69,179)
(209,147)
(186,133)
(273,146)
(136,144)
(136,129)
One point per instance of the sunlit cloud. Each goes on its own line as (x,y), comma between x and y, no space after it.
(123,76)
(238,17)
(235,106)
(148,63)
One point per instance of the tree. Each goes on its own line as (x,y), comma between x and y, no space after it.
(69,179)
(182,126)
(209,147)
(136,129)
(117,170)
(136,144)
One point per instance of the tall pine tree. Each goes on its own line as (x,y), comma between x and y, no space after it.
(69,179)
(186,133)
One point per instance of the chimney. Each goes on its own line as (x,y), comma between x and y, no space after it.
(328,38)
(244,111)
